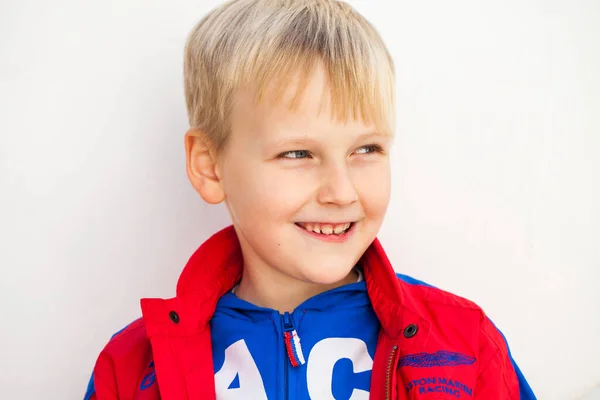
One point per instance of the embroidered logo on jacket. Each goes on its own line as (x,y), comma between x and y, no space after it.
(440,359)
(439,385)
(150,377)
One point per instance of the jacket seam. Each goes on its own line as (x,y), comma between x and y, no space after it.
(500,354)
(113,372)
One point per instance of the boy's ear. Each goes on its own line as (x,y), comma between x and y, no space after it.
(202,167)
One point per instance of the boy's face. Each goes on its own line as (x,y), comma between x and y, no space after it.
(284,173)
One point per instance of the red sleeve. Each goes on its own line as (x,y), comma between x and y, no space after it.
(499,377)
(105,383)
(122,365)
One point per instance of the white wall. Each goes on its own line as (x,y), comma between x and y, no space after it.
(496,179)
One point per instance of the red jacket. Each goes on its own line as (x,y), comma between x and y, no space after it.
(432,345)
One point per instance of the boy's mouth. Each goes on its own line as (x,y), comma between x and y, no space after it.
(326,228)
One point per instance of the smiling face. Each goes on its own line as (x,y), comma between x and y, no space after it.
(307,194)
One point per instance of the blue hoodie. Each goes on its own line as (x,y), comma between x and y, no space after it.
(328,353)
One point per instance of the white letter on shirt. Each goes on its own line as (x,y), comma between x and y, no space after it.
(323,357)
(239,361)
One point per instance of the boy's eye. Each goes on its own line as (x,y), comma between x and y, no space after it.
(299,154)
(295,154)
(372,148)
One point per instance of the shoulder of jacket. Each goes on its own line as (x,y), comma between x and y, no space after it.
(427,300)
(130,342)
(125,359)
(469,325)
(427,293)
(449,308)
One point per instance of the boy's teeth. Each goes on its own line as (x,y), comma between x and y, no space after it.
(341,228)
(326,229)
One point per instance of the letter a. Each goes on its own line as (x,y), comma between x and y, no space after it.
(239,362)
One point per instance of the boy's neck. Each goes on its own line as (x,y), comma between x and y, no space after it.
(280,292)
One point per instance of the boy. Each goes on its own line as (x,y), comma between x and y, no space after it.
(291,107)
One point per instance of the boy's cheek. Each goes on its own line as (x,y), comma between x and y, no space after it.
(373,187)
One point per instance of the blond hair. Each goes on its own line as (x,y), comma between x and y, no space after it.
(253,43)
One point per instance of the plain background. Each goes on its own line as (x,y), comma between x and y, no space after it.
(496,175)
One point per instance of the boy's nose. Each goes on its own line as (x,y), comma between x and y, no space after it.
(337,186)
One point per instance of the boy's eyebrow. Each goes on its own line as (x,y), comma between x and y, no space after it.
(304,139)
(292,140)
(373,134)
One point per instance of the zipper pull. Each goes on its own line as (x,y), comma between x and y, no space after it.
(292,341)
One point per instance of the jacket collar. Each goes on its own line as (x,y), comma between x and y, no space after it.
(217,266)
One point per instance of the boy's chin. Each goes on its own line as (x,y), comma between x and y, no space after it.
(326,276)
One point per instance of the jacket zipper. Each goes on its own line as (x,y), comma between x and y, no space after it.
(288,326)
(286,394)
(389,374)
